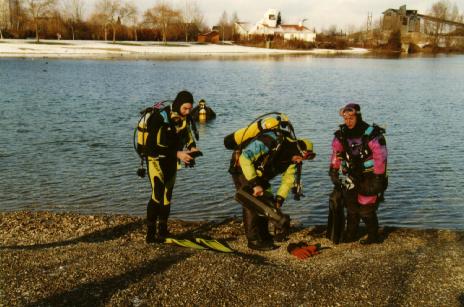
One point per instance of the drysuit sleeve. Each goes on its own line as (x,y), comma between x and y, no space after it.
(250,154)
(187,138)
(210,113)
(379,154)
(288,179)
(337,152)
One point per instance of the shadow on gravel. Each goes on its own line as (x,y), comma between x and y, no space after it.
(461,299)
(94,237)
(99,292)
(114,233)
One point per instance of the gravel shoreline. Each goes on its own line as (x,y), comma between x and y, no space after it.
(67,259)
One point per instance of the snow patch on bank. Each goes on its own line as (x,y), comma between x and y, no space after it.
(83,49)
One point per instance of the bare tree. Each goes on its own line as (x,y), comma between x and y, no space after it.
(190,17)
(16,13)
(129,12)
(4,17)
(39,9)
(198,19)
(108,11)
(73,11)
(161,16)
(442,11)
(223,23)
(97,23)
(332,31)
(233,21)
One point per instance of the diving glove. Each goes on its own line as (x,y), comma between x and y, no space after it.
(302,250)
(194,154)
(334,177)
(279,201)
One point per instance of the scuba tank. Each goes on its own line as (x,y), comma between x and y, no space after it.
(141,134)
(241,136)
(141,130)
(202,115)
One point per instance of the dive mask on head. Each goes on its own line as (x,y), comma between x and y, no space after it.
(283,120)
(348,112)
(351,109)
(305,147)
(308,155)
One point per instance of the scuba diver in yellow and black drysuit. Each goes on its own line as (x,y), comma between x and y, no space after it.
(202,113)
(169,139)
(271,152)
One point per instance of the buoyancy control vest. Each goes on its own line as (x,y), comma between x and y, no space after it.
(357,157)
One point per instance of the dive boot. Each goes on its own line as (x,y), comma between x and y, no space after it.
(352,225)
(370,240)
(262,245)
(151,235)
(163,232)
(372,225)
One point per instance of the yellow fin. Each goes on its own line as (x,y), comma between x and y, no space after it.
(214,244)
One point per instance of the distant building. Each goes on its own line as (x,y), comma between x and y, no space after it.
(417,28)
(401,19)
(410,21)
(271,25)
(209,37)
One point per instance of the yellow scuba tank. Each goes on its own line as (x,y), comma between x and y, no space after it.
(240,136)
(202,115)
(142,133)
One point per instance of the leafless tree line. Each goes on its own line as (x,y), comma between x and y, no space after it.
(108,19)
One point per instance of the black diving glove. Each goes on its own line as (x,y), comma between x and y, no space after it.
(372,184)
(335,177)
(194,154)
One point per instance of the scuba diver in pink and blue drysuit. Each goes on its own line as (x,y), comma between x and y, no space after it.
(360,151)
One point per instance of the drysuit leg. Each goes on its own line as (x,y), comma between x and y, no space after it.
(352,217)
(336,219)
(162,179)
(256,226)
(369,216)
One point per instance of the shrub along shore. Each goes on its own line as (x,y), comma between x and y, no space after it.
(87,260)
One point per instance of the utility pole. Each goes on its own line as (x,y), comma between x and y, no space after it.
(368,25)
(369,21)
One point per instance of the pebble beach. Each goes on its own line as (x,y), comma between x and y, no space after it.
(68,259)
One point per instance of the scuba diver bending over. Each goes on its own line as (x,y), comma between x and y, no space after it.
(169,139)
(360,151)
(263,150)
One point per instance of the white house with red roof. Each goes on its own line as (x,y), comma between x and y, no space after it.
(271,25)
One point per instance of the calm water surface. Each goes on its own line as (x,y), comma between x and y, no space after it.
(66,141)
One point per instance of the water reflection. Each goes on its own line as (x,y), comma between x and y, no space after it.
(66,141)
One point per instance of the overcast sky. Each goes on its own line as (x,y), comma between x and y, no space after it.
(319,14)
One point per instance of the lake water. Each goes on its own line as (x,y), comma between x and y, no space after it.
(67,126)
